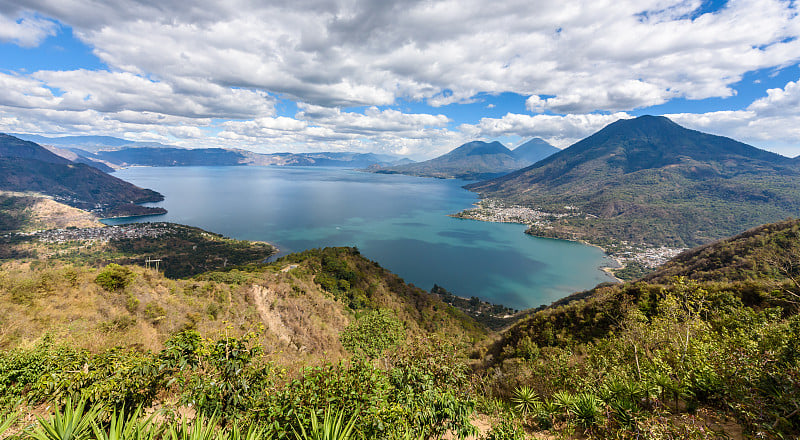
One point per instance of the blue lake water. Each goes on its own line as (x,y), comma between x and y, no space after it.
(399,221)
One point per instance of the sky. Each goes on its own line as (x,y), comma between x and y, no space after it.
(414,78)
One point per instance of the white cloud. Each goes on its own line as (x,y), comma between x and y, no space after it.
(27,30)
(592,55)
(771,122)
(177,68)
(560,131)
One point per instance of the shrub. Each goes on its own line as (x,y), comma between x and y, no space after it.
(114,277)
(373,333)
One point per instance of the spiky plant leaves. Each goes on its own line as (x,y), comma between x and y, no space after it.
(624,412)
(254,432)
(199,429)
(587,409)
(543,413)
(333,427)
(563,399)
(75,423)
(122,427)
(524,399)
(6,421)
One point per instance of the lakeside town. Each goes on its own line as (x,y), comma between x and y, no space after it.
(623,253)
(101,234)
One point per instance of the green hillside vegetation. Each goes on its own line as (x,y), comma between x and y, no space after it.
(261,345)
(651,181)
(15,212)
(471,161)
(714,348)
(25,166)
(185,251)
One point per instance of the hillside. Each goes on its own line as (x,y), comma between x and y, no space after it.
(726,330)
(303,301)
(25,166)
(25,212)
(471,161)
(650,181)
(534,150)
(767,252)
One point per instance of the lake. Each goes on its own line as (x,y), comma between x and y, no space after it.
(399,221)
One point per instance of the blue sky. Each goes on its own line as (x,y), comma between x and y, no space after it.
(409,77)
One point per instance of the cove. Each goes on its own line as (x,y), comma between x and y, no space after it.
(399,221)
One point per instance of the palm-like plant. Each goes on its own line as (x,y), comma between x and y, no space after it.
(74,423)
(333,427)
(524,399)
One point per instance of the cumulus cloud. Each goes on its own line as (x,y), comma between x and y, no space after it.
(771,122)
(110,92)
(560,131)
(27,30)
(593,55)
(175,69)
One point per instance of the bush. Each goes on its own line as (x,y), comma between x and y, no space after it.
(373,333)
(114,277)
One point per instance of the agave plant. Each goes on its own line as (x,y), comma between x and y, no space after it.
(563,399)
(524,399)
(333,427)
(587,409)
(543,413)
(253,433)
(624,412)
(75,423)
(120,427)
(199,429)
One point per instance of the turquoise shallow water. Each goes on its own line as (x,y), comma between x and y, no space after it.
(399,221)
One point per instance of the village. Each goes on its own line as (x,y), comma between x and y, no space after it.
(101,234)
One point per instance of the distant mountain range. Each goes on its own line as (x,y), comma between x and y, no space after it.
(476,160)
(649,180)
(26,166)
(106,152)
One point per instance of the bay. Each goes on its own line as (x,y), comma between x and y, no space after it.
(399,221)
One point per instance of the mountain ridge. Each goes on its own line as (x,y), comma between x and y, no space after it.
(27,166)
(649,180)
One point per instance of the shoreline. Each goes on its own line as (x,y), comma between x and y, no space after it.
(606,269)
(100,219)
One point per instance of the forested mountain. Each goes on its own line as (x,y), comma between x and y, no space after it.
(649,180)
(471,161)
